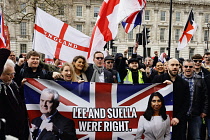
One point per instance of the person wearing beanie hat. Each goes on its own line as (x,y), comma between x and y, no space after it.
(133,60)
(133,75)
(108,64)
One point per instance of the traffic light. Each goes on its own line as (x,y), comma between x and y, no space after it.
(145,34)
(112,44)
(139,38)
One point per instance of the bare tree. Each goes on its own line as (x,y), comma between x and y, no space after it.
(18,10)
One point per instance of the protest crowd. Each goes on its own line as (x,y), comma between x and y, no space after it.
(190,78)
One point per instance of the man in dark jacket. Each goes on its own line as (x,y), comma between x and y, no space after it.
(200,70)
(12,107)
(198,100)
(32,69)
(108,64)
(52,125)
(197,58)
(181,96)
(96,72)
(207,80)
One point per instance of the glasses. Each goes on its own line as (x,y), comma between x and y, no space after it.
(99,58)
(197,61)
(109,62)
(188,66)
(11,55)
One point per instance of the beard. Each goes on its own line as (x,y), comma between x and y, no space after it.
(172,73)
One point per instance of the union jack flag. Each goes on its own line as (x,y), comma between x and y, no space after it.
(132,21)
(106,96)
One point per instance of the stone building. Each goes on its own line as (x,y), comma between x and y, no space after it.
(82,14)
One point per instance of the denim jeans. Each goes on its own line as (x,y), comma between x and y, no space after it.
(208,127)
(194,127)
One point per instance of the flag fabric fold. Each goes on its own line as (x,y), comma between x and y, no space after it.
(57,39)
(112,12)
(188,32)
(3,36)
(101,111)
(132,21)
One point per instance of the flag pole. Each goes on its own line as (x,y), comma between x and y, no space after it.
(169,40)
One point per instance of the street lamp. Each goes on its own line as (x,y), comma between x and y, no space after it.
(207,47)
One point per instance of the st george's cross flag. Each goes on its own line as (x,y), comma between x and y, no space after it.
(100,110)
(111,13)
(188,32)
(57,39)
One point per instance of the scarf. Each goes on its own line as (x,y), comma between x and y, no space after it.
(97,71)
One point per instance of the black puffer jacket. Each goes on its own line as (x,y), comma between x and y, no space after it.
(26,72)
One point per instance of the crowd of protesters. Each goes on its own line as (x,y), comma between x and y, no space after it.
(190,78)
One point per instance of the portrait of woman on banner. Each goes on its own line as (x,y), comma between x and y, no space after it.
(154,124)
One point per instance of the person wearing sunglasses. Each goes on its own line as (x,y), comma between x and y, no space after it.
(108,64)
(12,56)
(200,70)
(198,100)
(96,72)
(197,58)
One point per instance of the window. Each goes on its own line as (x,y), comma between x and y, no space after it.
(163,16)
(23,8)
(79,27)
(162,50)
(178,16)
(147,13)
(191,52)
(207,18)
(42,6)
(130,51)
(61,10)
(176,53)
(130,36)
(162,34)
(177,33)
(23,48)
(23,29)
(149,52)
(192,39)
(205,35)
(114,50)
(96,11)
(79,11)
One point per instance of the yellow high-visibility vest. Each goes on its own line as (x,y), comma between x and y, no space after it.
(129,80)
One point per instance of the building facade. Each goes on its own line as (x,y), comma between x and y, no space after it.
(82,15)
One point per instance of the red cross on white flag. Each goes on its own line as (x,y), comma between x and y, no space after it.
(112,12)
(57,39)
